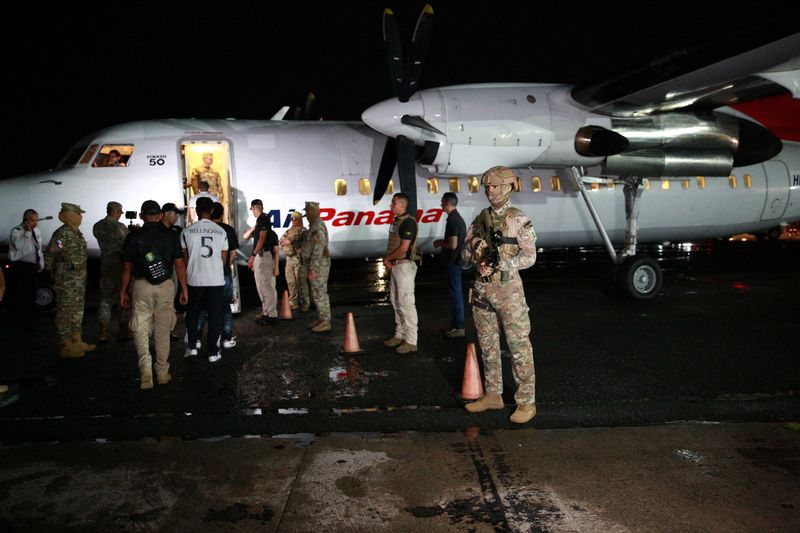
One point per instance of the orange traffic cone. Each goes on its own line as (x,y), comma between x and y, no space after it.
(471,386)
(350,336)
(286,309)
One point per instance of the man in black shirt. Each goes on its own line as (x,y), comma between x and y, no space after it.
(454,234)
(149,256)
(228,340)
(264,263)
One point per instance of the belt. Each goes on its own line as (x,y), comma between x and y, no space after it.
(401,261)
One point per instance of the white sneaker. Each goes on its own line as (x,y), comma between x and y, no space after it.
(214,358)
(190,352)
(230,343)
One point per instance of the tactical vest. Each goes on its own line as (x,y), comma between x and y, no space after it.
(294,236)
(509,247)
(394,239)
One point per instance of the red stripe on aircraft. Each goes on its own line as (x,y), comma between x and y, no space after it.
(779,114)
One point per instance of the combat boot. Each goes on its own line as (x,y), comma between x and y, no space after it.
(146,377)
(392,342)
(163,380)
(406,348)
(492,400)
(70,350)
(322,325)
(524,413)
(85,346)
(103,336)
(314,324)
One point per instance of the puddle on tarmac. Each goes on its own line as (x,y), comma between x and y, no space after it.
(349,379)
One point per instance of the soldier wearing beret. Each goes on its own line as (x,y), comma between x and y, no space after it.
(500,242)
(65,258)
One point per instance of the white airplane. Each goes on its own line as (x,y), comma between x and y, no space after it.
(649,157)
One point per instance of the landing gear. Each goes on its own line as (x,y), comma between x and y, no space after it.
(634,276)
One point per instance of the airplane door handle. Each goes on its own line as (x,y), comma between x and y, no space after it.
(54,182)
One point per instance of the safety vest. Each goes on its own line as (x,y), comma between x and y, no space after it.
(394,238)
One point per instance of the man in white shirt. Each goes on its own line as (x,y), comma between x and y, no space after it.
(205,247)
(27,260)
(193,201)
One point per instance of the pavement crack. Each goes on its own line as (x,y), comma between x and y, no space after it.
(285,505)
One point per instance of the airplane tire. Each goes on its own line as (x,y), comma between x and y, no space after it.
(45,298)
(639,278)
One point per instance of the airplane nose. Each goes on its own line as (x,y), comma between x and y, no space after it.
(385,117)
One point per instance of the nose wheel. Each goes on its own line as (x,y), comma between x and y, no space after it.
(639,277)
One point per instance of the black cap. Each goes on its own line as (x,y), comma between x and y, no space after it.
(256,202)
(169,206)
(150,207)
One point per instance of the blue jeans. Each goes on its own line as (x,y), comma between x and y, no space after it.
(452,274)
(227,315)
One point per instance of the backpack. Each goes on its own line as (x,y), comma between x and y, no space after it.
(156,270)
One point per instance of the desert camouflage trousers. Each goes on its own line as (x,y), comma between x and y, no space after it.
(297,282)
(496,303)
(319,287)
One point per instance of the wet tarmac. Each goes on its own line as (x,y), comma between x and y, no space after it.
(718,344)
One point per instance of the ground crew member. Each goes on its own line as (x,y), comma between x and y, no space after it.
(110,234)
(65,258)
(401,254)
(296,276)
(27,260)
(500,242)
(317,261)
(264,263)
(205,173)
(454,234)
(149,256)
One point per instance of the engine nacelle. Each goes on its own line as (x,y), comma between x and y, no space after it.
(657,162)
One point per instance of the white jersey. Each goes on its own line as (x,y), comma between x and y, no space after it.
(204,194)
(205,241)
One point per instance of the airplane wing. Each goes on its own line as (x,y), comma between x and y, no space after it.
(735,69)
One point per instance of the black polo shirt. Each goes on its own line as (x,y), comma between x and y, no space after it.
(233,244)
(262,224)
(151,236)
(456,227)
(408,232)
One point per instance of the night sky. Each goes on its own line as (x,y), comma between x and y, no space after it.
(74,69)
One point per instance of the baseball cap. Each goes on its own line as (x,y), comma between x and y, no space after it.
(169,206)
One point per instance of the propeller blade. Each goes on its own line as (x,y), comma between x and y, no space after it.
(420,43)
(394,53)
(388,161)
(297,112)
(406,161)
(419,122)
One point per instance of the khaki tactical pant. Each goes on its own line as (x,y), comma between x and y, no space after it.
(265,284)
(401,294)
(152,311)
(297,282)
(494,303)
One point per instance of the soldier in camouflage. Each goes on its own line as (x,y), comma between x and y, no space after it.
(317,262)
(291,244)
(65,258)
(205,173)
(500,242)
(110,234)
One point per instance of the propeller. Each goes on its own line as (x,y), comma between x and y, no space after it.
(404,76)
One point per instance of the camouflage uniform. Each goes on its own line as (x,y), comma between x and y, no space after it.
(295,271)
(314,253)
(210,176)
(110,235)
(65,258)
(501,296)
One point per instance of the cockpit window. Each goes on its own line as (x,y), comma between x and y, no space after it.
(72,157)
(88,155)
(114,155)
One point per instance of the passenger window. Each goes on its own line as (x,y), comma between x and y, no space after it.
(433,185)
(88,155)
(113,155)
(595,186)
(555,183)
(748,181)
(517,185)
(364,186)
(701,182)
(665,185)
(474,184)
(646,184)
(455,185)
(340,186)
(685,184)
(390,188)
(732,181)
(536,183)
